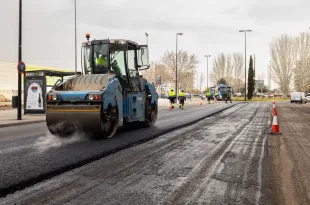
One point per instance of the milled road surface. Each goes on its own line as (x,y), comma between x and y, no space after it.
(29,154)
(291,154)
(224,159)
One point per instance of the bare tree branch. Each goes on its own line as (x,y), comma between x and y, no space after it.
(186,67)
(283,55)
(228,67)
(302,66)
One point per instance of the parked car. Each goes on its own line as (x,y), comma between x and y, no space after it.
(163,95)
(202,96)
(238,94)
(308,97)
(188,96)
(298,97)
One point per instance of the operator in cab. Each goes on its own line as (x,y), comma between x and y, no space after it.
(101,61)
(101,64)
(172,97)
(181,98)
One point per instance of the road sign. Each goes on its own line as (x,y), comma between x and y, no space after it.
(21,67)
(259,83)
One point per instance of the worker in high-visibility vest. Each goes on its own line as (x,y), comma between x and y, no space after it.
(172,97)
(228,97)
(101,61)
(215,95)
(208,95)
(181,98)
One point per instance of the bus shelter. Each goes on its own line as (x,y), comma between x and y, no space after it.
(36,84)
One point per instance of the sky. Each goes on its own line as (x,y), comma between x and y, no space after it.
(208,26)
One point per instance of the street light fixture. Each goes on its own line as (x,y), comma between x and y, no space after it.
(146,35)
(245,31)
(207,56)
(176,64)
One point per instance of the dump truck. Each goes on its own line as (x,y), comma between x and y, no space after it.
(109,92)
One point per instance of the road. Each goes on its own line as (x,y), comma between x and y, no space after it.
(29,154)
(291,154)
(223,159)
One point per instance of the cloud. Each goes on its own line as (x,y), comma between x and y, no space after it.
(209,26)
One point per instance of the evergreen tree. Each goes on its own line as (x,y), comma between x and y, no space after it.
(221,81)
(250,79)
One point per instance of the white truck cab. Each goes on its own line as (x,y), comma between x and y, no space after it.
(298,97)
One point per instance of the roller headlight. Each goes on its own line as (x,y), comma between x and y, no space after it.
(93,97)
(52,97)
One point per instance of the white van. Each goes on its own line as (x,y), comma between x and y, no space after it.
(298,97)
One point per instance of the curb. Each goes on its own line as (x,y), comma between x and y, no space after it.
(48,175)
(21,123)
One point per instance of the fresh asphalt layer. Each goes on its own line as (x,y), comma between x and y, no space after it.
(30,154)
(223,159)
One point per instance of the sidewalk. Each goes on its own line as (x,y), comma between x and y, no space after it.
(9,118)
(165,102)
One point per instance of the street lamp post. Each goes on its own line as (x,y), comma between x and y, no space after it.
(245,31)
(176,64)
(207,56)
(19,101)
(75,60)
(197,83)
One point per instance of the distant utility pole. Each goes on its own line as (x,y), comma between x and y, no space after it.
(176,64)
(269,80)
(245,31)
(197,83)
(207,56)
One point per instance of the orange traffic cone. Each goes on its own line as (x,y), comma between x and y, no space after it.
(170,107)
(274,110)
(275,125)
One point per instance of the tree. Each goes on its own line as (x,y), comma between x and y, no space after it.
(150,74)
(229,67)
(265,89)
(283,56)
(250,79)
(302,65)
(238,70)
(221,81)
(222,67)
(186,67)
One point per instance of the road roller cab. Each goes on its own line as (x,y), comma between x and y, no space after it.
(108,93)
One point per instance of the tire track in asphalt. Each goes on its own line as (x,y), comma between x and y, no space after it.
(9,187)
(160,157)
(201,177)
